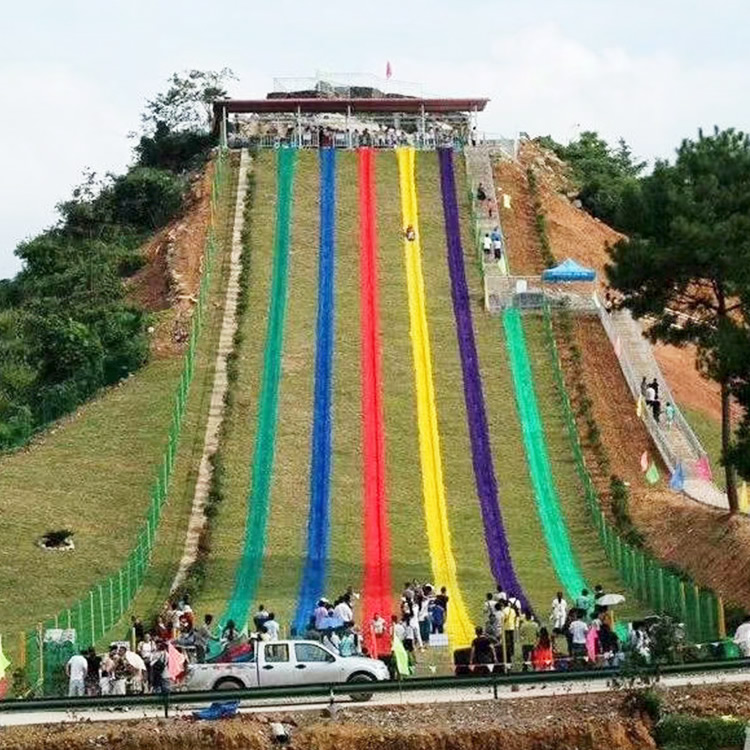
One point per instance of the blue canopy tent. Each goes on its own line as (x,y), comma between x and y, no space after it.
(568,270)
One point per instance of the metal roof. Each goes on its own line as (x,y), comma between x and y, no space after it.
(355,106)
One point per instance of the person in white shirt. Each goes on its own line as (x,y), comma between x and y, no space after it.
(742,637)
(559,613)
(344,611)
(76,669)
(578,631)
(272,627)
(399,630)
(378,625)
(487,244)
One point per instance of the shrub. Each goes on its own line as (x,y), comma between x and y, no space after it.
(178,152)
(146,198)
(700,733)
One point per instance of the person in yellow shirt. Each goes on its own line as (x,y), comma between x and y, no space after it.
(509,620)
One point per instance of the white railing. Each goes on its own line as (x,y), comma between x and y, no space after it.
(633,379)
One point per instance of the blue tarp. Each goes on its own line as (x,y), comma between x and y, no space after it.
(568,270)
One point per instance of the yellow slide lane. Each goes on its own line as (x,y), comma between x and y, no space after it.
(459,627)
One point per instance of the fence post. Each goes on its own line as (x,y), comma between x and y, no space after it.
(22,649)
(683,603)
(101,610)
(93,621)
(722,626)
(40,639)
(698,613)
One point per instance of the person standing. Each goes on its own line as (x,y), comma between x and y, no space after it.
(147,651)
(487,245)
(77,669)
(107,672)
(669,413)
(559,613)
(272,627)
(482,649)
(203,636)
(578,632)
(543,657)
(509,620)
(585,602)
(742,636)
(442,599)
(528,634)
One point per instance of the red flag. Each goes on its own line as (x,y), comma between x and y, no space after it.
(388,71)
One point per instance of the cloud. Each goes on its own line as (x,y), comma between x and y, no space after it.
(59,124)
(543,81)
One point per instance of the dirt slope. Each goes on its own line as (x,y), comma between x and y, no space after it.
(715,551)
(168,282)
(574,233)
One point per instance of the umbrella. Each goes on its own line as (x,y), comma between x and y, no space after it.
(135,661)
(610,600)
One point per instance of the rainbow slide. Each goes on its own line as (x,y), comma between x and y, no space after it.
(495,537)
(459,627)
(251,563)
(537,457)
(314,574)
(377,590)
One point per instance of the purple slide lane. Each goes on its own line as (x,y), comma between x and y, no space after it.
(501,564)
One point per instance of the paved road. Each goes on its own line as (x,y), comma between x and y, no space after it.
(457,695)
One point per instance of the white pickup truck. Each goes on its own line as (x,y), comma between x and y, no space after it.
(281,663)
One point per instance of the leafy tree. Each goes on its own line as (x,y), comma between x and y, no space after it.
(146,198)
(687,268)
(176,151)
(188,102)
(607,177)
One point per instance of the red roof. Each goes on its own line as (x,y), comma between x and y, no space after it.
(355,106)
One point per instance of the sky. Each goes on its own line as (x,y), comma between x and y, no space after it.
(75,75)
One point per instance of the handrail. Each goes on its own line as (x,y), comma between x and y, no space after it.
(329,691)
(666,450)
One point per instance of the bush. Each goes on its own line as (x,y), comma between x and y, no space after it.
(176,151)
(700,733)
(146,198)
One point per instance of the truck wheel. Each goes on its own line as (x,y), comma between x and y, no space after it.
(228,683)
(359,678)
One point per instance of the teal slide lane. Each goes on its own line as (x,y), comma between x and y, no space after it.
(250,565)
(537,458)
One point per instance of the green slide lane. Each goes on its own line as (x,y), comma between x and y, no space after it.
(250,565)
(537,457)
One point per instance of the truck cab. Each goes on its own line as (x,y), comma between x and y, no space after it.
(282,663)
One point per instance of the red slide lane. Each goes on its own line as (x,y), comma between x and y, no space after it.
(377,588)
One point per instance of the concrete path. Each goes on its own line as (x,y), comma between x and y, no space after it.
(218,392)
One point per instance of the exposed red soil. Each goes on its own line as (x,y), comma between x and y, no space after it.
(518,220)
(711,547)
(171,276)
(623,432)
(587,722)
(576,234)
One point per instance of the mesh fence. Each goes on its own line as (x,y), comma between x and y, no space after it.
(665,591)
(94,615)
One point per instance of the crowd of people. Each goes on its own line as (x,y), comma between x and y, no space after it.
(582,634)
(152,660)
(376,135)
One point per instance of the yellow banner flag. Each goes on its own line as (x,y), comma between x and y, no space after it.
(744,499)
(4,661)
(639,407)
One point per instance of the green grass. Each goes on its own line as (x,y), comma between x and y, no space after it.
(290,488)
(583,535)
(229,524)
(92,473)
(464,513)
(345,565)
(176,515)
(409,551)
(530,556)
(708,431)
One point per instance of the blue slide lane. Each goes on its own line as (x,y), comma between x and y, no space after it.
(313,577)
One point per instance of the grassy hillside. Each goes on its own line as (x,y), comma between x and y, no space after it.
(229,525)
(92,473)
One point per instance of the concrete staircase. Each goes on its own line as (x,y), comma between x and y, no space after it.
(479,170)
(220,384)
(678,444)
